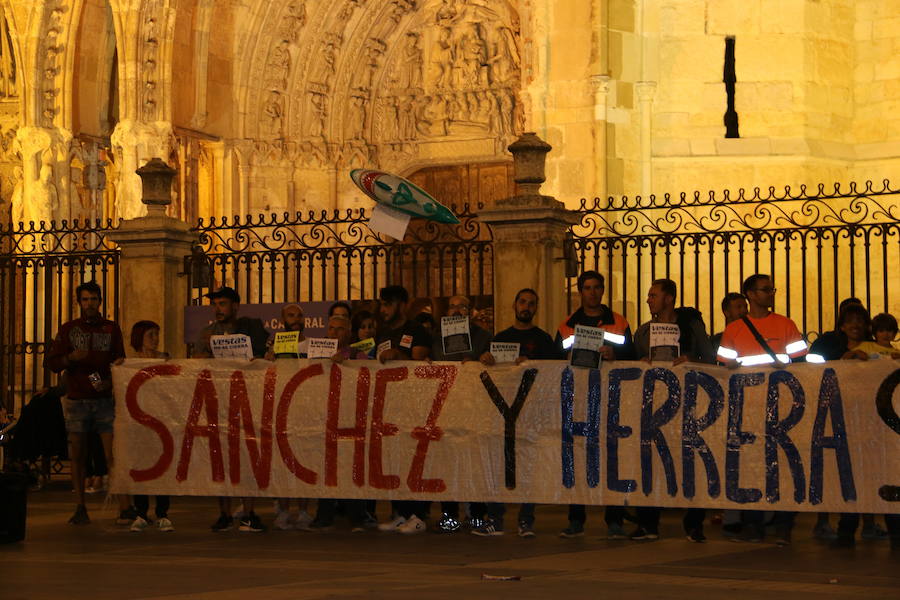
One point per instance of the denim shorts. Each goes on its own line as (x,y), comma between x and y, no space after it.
(89,414)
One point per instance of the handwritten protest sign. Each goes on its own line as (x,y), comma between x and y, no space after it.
(822,438)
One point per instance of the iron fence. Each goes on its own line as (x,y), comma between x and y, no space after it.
(334,255)
(40,267)
(820,246)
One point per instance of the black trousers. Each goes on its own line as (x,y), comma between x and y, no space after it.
(142,505)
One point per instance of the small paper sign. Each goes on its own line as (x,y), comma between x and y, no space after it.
(364,345)
(389,221)
(382,347)
(235,345)
(286,342)
(664,341)
(321,348)
(505,352)
(455,334)
(586,347)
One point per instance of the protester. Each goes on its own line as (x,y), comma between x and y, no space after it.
(459,306)
(293,320)
(340,308)
(340,329)
(226,303)
(534,344)
(364,328)
(617,344)
(762,337)
(406,340)
(884,330)
(734,307)
(144,340)
(85,349)
(832,345)
(694,346)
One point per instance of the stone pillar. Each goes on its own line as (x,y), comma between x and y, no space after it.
(529,232)
(646,90)
(134,142)
(153,248)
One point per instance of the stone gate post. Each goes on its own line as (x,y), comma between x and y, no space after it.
(529,232)
(153,248)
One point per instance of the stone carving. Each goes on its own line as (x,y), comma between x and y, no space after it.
(318,112)
(18,200)
(473,54)
(356,118)
(8,72)
(149,50)
(374,51)
(410,75)
(292,21)
(504,60)
(442,59)
(278,67)
(273,116)
(51,50)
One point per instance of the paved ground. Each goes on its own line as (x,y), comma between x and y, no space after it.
(103,561)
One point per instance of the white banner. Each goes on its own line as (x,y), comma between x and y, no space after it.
(808,437)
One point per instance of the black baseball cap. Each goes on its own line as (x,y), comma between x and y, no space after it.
(224,292)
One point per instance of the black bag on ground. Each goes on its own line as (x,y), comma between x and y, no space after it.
(13,506)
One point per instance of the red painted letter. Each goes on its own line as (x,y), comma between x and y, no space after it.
(333,433)
(204,396)
(158,427)
(281,434)
(380,429)
(260,451)
(430,432)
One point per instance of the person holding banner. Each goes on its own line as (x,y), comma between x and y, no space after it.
(340,328)
(677,335)
(401,339)
(225,303)
(762,337)
(523,340)
(84,350)
(734,306)
(290,343)
(364,329)
(617,344)
(442,348)
(144,340)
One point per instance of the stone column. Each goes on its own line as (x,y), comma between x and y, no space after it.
(153,248)
(529,232)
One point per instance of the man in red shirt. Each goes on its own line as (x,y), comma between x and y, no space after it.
(84,349)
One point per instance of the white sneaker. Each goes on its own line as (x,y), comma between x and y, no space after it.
(139,524)
(394,525)
(165,525)
(283,521)
(412,526)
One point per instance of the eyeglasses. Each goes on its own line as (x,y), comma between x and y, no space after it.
(766,290)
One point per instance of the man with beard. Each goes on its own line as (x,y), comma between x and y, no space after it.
(225,303)
(84,349)
(408,341)
(534,344)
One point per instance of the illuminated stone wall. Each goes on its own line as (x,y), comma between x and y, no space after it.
(265,106)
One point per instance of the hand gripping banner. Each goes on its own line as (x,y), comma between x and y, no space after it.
(807,437)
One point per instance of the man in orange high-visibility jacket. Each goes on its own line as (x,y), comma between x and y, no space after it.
(739,343)
(617,344)
(741,346)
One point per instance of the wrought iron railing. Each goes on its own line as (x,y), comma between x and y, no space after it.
(821,245)
(334,255)
(40,267)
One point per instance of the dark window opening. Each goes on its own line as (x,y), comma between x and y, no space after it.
(730,77)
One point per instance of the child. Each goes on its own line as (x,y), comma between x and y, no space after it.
(884,329)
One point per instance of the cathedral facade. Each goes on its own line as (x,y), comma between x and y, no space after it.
(265,106)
